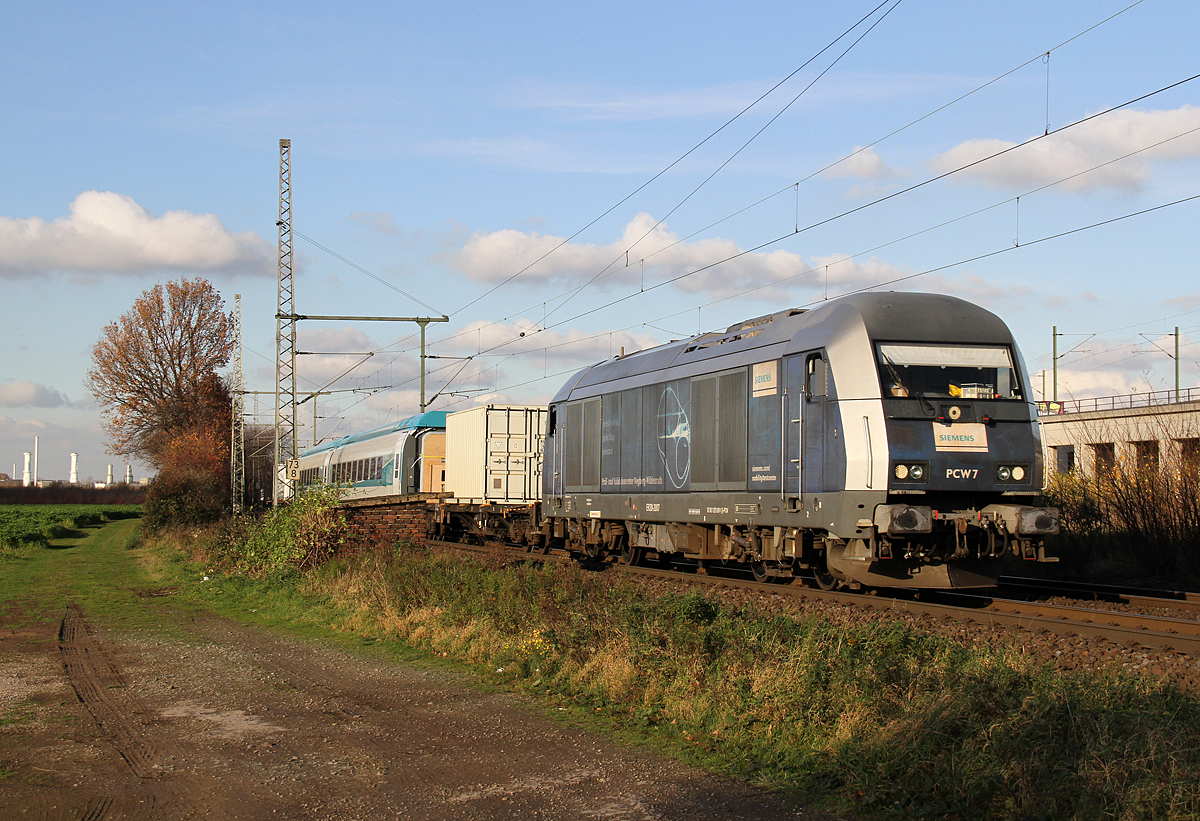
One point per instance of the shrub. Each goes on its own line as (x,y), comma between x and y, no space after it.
(185,498)
(301,534)
(1143,519)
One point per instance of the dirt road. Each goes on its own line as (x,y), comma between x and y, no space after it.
(204,718)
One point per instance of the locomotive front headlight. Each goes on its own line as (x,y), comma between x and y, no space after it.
(917,472)
(1018,473)
(1004,473)
(901,471)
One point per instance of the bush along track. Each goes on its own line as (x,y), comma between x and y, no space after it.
(891,721)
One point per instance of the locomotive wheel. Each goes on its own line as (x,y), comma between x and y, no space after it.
(822,577)
(593,551)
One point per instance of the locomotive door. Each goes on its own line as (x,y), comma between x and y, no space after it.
(806,383)
(793,402)
(816,394)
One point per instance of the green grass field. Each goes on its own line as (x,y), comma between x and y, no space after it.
(38,524)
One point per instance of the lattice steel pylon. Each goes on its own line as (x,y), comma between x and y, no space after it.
(285,337)
(237,446)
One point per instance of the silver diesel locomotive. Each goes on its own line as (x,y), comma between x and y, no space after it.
(882,439)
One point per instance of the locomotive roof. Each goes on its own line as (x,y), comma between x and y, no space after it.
(896,316)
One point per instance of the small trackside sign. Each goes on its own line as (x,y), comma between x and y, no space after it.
(965,437)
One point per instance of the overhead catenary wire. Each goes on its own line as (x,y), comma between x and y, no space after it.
(731,157)
(867,205)
(870,204)
(1002,250)
(877,247)
(363,270)
(679,159)
(811,175)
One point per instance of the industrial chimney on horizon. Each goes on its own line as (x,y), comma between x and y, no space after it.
(74,477)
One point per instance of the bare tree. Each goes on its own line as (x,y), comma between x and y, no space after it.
(153,370)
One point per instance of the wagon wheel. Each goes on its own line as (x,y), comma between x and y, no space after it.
(632,554)
(759,571)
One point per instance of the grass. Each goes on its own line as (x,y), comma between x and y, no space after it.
(890,721)
(23,526)
(90,565)
(881,719)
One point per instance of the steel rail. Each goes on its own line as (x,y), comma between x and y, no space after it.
(1139,597)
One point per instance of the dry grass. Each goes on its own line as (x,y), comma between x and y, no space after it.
(904,724)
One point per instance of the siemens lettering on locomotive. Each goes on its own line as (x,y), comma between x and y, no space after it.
(881,439)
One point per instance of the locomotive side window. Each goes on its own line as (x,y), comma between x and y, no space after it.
(817,384)
(947,371)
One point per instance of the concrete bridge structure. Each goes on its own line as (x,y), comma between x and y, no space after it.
(1156,429)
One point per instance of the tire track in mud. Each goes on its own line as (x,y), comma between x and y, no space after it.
(92,673)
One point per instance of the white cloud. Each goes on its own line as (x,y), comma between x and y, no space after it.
(862,164)
(30,395)
(1189,302)
(1077,149)
(491,258)
(107,232)
(712,268)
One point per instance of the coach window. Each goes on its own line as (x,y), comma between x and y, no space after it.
(815,368)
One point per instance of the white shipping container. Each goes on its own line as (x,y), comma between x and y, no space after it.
(494,453)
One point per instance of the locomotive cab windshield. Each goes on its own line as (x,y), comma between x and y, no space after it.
(909,369)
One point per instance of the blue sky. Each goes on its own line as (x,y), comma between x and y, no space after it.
(445,147)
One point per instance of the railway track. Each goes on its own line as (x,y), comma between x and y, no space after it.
(1164,599)
(1152,632)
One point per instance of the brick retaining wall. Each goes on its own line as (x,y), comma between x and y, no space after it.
(388,519)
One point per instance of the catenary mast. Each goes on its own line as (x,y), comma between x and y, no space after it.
(285,336)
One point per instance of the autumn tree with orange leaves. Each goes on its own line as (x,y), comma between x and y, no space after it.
(154,372)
